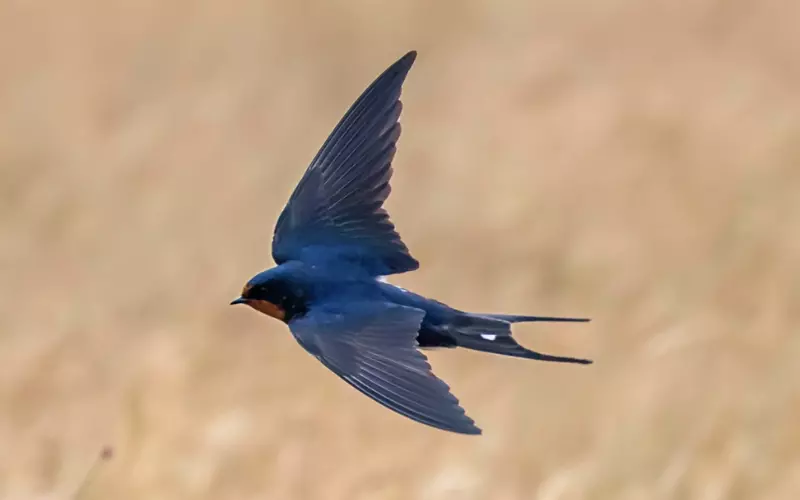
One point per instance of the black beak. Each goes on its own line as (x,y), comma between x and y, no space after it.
(239,300)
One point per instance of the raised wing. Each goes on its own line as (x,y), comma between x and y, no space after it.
(335,212)
(373,348)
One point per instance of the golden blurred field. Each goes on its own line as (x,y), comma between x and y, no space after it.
(635,162)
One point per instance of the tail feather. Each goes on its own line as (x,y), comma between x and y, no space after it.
(492,333)
(507,346)
(516,318)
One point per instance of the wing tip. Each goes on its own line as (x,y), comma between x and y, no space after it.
(465,425)
(409,58)
(403,65)
(472,430)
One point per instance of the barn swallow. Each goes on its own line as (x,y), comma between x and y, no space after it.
(334,244)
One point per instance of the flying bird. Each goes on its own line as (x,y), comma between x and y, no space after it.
(334,244)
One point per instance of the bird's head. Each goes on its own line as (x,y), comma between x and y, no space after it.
(278,292)
(265,293)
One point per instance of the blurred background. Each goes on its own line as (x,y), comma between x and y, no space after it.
(637,163)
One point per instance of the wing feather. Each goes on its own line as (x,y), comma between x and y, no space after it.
(336,211)
(373,348)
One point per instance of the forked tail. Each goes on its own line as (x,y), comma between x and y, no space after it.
(516,318)
(492,333)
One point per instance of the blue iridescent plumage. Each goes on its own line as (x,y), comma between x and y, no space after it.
(334,242)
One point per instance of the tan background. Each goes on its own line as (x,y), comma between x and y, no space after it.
(636,162)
